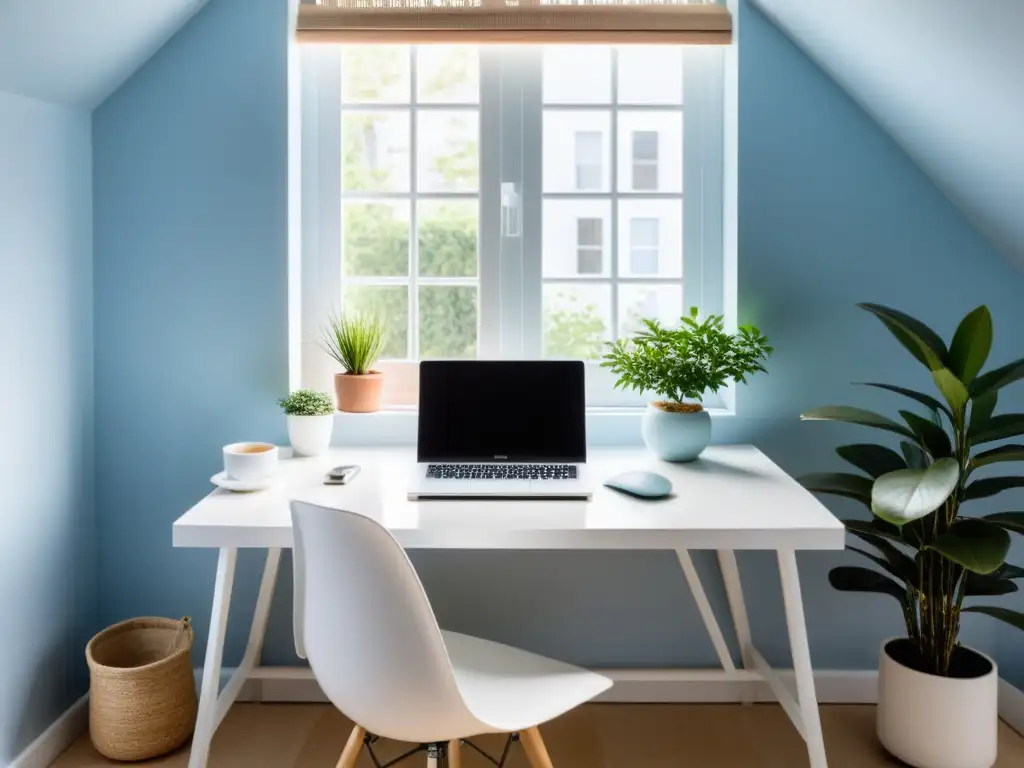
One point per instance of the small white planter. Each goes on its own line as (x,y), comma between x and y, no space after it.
(310,435)
(938,722)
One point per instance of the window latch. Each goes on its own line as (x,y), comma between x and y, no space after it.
(510,213)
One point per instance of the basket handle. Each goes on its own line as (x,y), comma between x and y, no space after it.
(183,628)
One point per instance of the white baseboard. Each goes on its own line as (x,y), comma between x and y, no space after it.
(55,739)
(1011,706)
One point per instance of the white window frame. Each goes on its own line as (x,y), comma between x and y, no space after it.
(510,267)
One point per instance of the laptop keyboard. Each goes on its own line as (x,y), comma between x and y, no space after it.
(502,471)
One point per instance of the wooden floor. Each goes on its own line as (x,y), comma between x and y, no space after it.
(594,736)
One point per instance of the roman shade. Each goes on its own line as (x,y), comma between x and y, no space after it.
(515,21)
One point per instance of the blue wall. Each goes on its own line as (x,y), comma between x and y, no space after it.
(190,287)
(47,546)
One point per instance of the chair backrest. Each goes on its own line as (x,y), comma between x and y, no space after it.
(364,622)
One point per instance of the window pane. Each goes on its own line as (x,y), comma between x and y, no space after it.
(391,304)
(447,321)
(448,151)
(636,63)
(645,145)
(448,74)
(563,229)
(375,239)
(577,74)
(448,237)
(589,261)
(659,302)
(577,320)
(375,73)
(658,137)
(576,150)
(376,151)
(651,224)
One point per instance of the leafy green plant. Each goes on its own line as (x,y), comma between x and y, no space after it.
(685,362)
(306,402)
(932,558)
(354,341)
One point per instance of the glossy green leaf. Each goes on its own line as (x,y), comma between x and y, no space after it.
(1013,618)
(916,457)
(850,415)
(999,428)
(901,575)
(1012,452)
(839,484)
(1011,521)
(990,486)
(996,379)
(927,401)
(988,585)
(920,340)
(875,460)
(982,409)
(874,531)
(951,388)
(977,545)
(852,578)
(933,437)
(910,494)
(971,344)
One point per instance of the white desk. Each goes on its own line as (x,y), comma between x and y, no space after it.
(733,498)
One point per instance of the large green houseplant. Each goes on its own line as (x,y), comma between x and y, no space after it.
(927,554)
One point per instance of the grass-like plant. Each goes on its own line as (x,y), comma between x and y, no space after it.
(306,402)
(930,556)
(356,341)
(683,363)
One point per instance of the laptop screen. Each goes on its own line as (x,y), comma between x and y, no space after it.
(497,410)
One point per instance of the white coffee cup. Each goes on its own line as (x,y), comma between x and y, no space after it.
(250,462)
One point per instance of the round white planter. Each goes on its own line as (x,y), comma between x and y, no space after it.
(676,436)
(938,722)
(310,435)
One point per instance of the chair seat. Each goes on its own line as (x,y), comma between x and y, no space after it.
(511,690)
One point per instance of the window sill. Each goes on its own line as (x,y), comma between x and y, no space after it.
(397,426)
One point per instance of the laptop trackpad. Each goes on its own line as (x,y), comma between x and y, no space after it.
(501,487)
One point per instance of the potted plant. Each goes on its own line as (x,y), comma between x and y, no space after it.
(310,421)
(680,365)
(355,342)
(937,699)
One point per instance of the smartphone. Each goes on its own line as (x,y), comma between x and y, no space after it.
(342,475)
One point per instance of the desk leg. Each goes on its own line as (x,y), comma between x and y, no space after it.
(808,700)
(206,722)
(738,609)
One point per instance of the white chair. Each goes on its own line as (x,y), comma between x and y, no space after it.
(364,622)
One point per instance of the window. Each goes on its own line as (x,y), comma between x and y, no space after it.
(588,160)
(645,161)
(589,251)
(509,201)
(643,246)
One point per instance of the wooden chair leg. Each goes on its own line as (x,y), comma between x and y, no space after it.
(352,748)
(536,752)
(455,753)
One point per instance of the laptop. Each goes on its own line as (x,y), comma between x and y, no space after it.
(497,429)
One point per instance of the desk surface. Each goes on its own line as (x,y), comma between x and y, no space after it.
(734,497)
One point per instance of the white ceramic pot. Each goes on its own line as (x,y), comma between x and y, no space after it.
(310,435)
(675,436)
(938,722)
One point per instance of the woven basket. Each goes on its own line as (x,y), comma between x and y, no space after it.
(142,699)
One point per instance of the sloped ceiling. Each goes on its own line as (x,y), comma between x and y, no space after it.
(945,78)
(78,52)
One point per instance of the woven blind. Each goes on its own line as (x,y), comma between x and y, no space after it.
(514,21)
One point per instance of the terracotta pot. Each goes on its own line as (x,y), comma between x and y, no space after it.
(358,393)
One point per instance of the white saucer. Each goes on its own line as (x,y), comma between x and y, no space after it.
(222,480)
